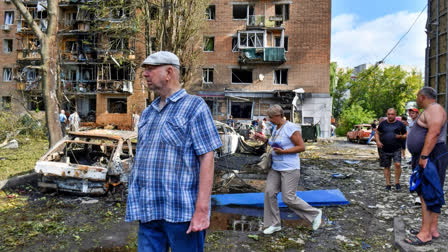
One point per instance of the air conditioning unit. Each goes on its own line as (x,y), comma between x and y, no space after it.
(6,27)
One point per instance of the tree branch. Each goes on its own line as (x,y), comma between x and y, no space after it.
(28,18)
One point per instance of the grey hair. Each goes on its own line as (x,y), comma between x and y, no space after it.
(275,110)
(429,92)
(395,111)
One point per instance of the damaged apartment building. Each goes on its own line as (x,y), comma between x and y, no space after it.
(96,65)
(255,54)
(259,53)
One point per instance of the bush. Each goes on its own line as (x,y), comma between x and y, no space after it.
(11,125)
(351,116)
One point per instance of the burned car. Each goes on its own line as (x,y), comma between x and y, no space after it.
(88,162)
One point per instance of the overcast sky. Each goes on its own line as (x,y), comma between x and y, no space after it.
(365,31)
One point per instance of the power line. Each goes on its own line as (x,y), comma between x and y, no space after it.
(393,48)
(402,37)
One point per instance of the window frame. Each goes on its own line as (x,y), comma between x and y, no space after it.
(281,70)
(206,43)
(285,11)
(241,83)
(248,10)
(10,74)
(263,42)
(6,45)
(9,19)
(285,42)
(235,47)
(210,12)
(108,104)
(207,70)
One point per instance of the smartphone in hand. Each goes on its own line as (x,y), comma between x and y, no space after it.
(276,145)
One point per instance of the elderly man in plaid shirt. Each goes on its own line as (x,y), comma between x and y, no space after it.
(171,181)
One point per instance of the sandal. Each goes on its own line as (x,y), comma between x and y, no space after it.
(416,231)
(415,241)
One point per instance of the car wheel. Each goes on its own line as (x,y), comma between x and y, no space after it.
(358,140)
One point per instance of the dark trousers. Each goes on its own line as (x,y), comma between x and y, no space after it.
(63,128)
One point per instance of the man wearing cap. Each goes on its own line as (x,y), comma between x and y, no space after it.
(413,114)
(171,180)
(427,141)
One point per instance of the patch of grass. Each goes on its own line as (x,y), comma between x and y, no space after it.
(19,161)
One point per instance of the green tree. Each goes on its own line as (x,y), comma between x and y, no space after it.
(353,115)
(377,90)
(340,91)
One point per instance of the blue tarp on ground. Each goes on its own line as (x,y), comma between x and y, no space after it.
(314,198)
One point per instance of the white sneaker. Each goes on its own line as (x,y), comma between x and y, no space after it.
(317,220)
(271,230)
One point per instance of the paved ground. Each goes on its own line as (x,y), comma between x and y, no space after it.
(376,220)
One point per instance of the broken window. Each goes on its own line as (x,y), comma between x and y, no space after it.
(207,75)
(241,76)
(7,74)
(117,105)
(242,11)
(210,12)
(281,76)
(9,18)
(241,109)
(6,102)
(282,10)
(234,44)
(71,46)
(7,45)
(278,42)
(209,44)
(36,103)
(251,39)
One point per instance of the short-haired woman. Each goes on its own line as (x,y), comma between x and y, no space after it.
(286,143)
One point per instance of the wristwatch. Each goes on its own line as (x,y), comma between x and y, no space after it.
(423,157)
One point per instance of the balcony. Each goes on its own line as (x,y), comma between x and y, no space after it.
(113,86)
(79,87)
(261,21)
(29,86)
(27,54)
(266,55)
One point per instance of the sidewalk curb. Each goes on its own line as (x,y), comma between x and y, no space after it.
(400,234)
(18,180)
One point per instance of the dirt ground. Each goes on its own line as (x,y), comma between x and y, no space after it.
(35,221)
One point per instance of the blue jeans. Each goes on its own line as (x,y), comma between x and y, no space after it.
(371,136)
(159,235)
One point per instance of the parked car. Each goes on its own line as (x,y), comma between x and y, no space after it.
(360,133)
(88,162)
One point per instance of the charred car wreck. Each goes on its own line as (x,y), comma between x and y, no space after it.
(88,162)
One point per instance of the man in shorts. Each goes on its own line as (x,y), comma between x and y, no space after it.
(391,133)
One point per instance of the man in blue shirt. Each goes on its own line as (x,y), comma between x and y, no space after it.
(172,176)
(63,121)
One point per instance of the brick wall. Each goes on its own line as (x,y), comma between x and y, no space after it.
(308,57)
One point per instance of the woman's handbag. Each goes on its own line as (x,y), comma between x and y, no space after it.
(266,160)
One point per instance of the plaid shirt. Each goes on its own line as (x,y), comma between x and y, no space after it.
(165,177)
